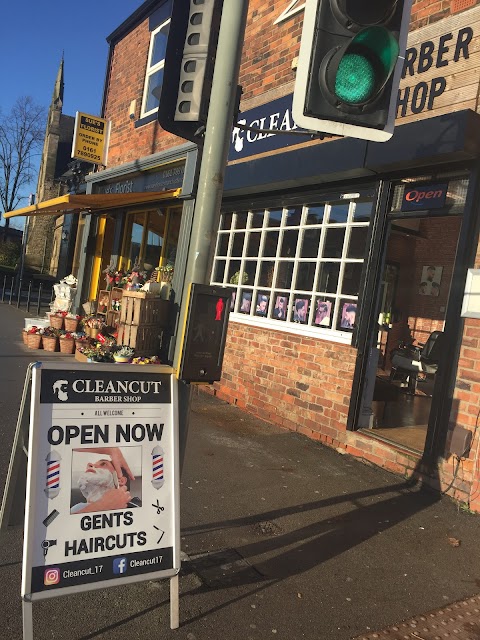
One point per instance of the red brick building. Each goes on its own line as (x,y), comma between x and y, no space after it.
(329,262)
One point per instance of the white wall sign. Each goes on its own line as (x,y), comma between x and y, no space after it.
(102,486)
(471,297)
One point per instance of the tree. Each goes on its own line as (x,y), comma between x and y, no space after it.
(21,139)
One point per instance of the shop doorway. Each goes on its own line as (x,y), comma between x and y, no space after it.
(409,331)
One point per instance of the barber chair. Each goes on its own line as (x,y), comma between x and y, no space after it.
(411,362)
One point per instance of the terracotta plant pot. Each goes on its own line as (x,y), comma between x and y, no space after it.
(71,324)
(67,345)
(50,343)
(56,322)
(34,340)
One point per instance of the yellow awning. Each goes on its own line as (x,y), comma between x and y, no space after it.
(90,202)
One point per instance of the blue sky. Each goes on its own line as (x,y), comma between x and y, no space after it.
(33,37)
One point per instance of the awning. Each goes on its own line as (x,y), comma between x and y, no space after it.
(90,202)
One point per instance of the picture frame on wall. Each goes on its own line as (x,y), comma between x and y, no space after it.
(300,310)
(430,281)
(323,313)
(349,315)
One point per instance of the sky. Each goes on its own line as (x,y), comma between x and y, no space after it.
(33,37)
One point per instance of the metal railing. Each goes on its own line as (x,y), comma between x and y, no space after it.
(34,296)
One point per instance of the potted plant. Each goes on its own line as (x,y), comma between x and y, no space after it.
(81,339)
(71,322)
(57,318)
(123,354)
(34,337)
(67,342)
(50,339)
(93,326)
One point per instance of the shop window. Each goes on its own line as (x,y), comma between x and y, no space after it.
(155,65)
(136,235)
(151,238)
(301,264)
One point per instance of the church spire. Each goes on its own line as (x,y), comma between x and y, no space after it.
(58,89)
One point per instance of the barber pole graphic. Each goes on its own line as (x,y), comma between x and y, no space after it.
(52,488)
(157,467)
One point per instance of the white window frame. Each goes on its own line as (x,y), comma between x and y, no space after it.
(152,69)
(308,329)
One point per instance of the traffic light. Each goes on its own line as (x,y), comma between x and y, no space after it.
(189,63)
(349,67)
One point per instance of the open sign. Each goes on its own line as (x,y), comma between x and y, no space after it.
(425,196)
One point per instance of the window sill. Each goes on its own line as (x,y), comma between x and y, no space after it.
(150,118)
(341,337)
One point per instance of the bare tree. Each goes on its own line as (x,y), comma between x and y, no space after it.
(21,139)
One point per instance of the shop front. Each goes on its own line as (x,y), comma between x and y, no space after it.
(338,254)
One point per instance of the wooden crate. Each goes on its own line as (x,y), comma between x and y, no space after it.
(143,308)
(145,340)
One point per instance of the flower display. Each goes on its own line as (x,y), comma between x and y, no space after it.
(94,322)
(65,335)
(146,360)
(34,330)
(113,276)
(51,332)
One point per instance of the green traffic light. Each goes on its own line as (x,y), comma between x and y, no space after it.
(366,65)
(355,79)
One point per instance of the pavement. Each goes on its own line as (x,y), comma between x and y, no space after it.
(281,538)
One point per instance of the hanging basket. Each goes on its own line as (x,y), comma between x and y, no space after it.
(71,324)
(34,340)
(56,322)
(50,343)
(67,345)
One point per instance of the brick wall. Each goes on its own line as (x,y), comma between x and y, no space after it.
(466,408)
(125,83)
(299,383)
(430,11)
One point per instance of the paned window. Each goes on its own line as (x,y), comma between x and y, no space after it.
(155,65)
(296,268)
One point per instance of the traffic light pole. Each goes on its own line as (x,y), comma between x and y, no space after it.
(215,151)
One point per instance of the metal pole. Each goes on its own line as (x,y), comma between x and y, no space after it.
(28,295)
(27,611)
(18,449)
(215,149)
(4,287)
(39,300)
(11,291)
(19,295)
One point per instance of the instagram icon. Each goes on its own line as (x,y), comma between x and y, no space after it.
(51,576)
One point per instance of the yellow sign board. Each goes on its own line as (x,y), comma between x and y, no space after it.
(90,138)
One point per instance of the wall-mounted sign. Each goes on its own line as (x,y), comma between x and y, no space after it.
(167,177)
(426,196)
(276,115)
(102,496)
(90,138)
(471,297)
(441,70)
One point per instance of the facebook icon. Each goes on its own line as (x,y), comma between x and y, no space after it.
(119,565)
